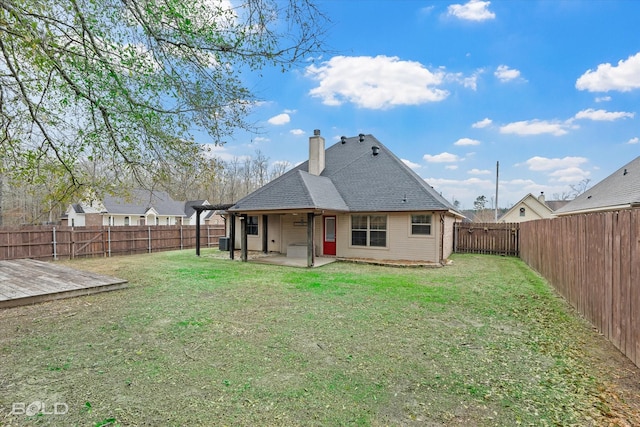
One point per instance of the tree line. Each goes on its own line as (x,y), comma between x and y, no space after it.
(208,178)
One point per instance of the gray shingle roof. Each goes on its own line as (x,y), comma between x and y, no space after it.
(620,189)
(295,189)
(353,180)
(140,201)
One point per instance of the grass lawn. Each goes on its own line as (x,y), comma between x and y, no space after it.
(210,341)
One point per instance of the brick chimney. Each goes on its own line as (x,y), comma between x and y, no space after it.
(316,153)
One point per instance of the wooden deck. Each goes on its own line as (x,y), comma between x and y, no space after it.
(27,281)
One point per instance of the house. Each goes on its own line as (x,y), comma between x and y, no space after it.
(212,217)
(141,207)
(355,199)
(620,190)
(530,208)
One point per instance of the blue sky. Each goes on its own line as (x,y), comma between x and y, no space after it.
(550,89)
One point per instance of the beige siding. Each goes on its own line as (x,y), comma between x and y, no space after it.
(254,242)
(401,245)
(449,222)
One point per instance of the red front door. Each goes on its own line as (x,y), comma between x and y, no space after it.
(329,241)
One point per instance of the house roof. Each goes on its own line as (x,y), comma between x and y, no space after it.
(189,210)
(140,201)
(353,180)
(296,189)
(532,202)
(619,190)
(556,204)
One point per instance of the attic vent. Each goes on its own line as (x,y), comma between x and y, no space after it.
(361,136)
(375,150)
(625,172)
(343,139)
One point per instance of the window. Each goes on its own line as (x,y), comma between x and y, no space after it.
(522,211)
(126,220)
(369,230)
(252,225)
(421,225)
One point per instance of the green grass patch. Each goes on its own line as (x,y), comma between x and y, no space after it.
(210,341)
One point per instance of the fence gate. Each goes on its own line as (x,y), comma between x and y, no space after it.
(487,238)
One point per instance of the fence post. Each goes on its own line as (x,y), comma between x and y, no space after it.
(181,243)
(149,228)
(109,240)
(208,236)
(72,243)
(55,253)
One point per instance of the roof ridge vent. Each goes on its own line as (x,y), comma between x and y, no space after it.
(361,136)
(375,149)
(343,139)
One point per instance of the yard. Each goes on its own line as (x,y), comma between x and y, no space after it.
(210,341)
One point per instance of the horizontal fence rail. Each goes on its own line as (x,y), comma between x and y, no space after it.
(487,238)
(51,242)
(593,260)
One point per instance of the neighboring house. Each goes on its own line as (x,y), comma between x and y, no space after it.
(207,217)
(530,208)
(355,199)
(620,190)
(141,207)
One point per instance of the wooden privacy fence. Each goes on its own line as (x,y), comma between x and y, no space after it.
(486,238)
(593,261)
(48,242)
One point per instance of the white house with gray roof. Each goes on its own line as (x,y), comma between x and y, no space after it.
(140,207)
(354,200)
(620,190)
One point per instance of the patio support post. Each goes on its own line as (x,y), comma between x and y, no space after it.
(310,227)
(243,238)
(232,236)
(198,232)
(265,236)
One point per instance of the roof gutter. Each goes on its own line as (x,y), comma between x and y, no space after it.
(601,209)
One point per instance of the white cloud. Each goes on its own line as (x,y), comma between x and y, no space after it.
(280,119)
(296,132)
(482,123)
(441,158)
(221,152)
(470,82)
(451,167)
(379,82)
(479,172)
(601,115)
(569,175)
(535,127)
(623,77)
(259,139)
(467,141)
(411,164)
(538,163)
(633,140)
(474,10)
(505,74)
(603,98)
